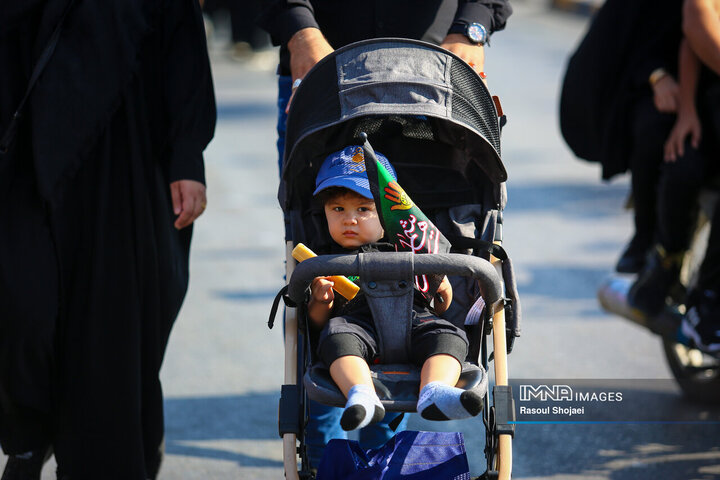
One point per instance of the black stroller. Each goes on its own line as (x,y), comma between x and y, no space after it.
(433,117)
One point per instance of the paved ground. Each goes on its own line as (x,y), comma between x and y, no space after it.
(563,228)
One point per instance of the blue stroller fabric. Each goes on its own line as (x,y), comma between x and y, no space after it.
(408,455)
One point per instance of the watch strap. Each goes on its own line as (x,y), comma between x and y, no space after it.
(464,29)
(458,27)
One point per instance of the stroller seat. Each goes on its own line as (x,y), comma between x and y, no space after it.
(387,280)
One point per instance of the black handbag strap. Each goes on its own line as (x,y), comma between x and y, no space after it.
(42,62)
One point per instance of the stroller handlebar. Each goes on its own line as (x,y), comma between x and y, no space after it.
(424,264)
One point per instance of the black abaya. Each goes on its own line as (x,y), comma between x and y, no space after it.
(92,271)
(607,80)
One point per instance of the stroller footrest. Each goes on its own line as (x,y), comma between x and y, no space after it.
(396,385)
(289,410)
(504,410)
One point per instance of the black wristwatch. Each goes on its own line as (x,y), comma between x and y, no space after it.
(475,32)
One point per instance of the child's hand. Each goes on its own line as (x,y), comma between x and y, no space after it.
(321,300)
(443,296)
(322,291)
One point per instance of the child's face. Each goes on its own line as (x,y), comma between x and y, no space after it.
(352,220)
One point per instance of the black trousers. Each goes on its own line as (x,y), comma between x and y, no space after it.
(650,128)
(678,190)
(353,333)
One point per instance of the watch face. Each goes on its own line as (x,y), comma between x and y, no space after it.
(476,33)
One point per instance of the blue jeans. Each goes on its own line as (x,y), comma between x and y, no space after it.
(324,421)
(284,92)
(324,425)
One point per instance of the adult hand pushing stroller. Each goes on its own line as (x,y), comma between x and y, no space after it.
(427,110)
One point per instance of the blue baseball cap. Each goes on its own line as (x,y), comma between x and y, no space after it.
(346,168)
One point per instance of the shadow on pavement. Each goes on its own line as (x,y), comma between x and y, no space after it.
(238,428)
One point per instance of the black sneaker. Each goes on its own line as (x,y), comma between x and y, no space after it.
(653,285)
(701,324)
(26,466)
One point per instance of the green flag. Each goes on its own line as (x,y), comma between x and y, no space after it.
(405,225)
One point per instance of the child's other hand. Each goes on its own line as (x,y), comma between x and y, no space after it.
(322,290)
(443,297)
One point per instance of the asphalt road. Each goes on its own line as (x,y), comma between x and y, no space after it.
(563,229)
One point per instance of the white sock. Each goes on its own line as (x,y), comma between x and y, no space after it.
(363,407)
(439,401)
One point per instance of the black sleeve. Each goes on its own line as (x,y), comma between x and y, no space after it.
(189,99)
(492,14)
(282,18)
(657,44)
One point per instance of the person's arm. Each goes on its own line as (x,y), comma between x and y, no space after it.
(491,14)
(292,23)
(701,26)
(665,91)
(189,109)
(283,18)
(687,122)
(652,58)
(307,47)
(321,301)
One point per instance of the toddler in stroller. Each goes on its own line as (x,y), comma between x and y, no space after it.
(348,341)
(429,112)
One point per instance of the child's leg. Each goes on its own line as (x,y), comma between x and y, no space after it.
(345,346)
(349,371)
(352,375)
(442,368)
(440,346)
(439,399)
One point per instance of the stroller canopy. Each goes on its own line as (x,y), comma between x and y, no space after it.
(439,96)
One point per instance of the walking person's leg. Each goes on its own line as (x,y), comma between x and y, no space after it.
(650,129)
(678,189)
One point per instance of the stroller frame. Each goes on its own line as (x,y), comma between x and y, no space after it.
(316,127)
